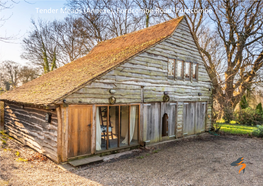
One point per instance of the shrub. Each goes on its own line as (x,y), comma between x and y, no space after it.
(249,116)
(259,109)
(244,103)
(258,132)
(228,114)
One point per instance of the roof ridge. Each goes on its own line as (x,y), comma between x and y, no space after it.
(136,31)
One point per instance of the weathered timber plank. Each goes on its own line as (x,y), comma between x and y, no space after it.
(64,114)
(2,111)
(59,135)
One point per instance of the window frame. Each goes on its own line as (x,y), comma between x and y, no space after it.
(182,77)
(119,132)
(182,71)
(190,70)
(196,72)
(174,63)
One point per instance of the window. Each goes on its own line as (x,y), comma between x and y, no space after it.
(195,70)
(180,68)
(187,70)
(171,65)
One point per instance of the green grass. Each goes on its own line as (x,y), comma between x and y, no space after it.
(236,128)
(156,151)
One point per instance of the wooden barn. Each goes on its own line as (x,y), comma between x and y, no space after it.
(143,87)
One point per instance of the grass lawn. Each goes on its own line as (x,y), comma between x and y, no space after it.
(236,128)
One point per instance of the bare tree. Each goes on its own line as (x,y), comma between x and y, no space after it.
(9,74)
(40,47)
(121,20)
(239,24)
(72,39)
(95,19)
(4,5)
(106,19)
(12,74)
(146,6)
(27,74)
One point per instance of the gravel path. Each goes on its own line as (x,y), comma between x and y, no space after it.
(203,160)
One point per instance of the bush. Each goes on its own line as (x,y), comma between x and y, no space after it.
(249,116)
(244,103)
(228,114)
(259,109)
(258,132)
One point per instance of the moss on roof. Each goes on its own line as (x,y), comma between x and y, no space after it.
(54,85)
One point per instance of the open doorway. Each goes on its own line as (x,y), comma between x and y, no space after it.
(165,125)
(117,126)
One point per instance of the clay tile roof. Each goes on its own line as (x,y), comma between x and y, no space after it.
(54,85)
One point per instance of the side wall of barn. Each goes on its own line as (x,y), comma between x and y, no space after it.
(28,125)
(144,79)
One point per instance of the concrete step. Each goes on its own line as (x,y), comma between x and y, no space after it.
(85,161)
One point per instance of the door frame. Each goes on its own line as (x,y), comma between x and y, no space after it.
(118,105)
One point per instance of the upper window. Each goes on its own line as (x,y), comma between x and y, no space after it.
(195,69)
(171,67)
(187,72)
(180,69)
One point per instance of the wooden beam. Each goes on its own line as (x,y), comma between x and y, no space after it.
(206,115)
(129,125)
(65,137)
(59,133)
(108,117)
(139,109)
(45,107)
(2,115)
(119,131)
(93,130)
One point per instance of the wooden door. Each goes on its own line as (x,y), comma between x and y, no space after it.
(79,131)
(152,122)
(200,117)
(194,118)
(189,118)
(171,110)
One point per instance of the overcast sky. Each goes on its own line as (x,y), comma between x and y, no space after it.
(19,24)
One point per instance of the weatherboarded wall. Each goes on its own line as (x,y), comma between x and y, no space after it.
(2,115)
(28,125)
(143,79)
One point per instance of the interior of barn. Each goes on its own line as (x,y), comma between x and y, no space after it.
(116,126)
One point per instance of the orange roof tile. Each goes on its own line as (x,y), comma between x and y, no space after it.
(54,85)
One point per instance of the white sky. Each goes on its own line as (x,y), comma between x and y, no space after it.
(20,23)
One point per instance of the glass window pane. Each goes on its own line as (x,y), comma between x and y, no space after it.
(118,131)
(124,125)
(134,124)
(171,66)
(113,126)
(101,128)
(187,70)
(179,68)
(194,70)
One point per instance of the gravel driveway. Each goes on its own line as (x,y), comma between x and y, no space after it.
(203,160)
